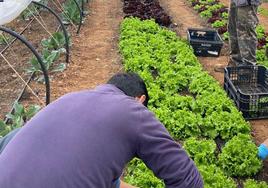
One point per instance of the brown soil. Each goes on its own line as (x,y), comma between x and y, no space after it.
(265,5)
(18,55)
(264,18)
(94,55)
(185,17)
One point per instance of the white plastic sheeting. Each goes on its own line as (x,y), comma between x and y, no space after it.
(10,9)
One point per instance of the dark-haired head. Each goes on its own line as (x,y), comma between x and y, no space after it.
(132,85)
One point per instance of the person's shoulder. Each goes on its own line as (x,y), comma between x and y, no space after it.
(75,94)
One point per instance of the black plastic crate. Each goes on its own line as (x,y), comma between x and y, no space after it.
(205,42)
(248,87)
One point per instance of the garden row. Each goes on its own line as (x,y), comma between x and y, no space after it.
(217,15)
(145,9)
(191,104)
(51,51)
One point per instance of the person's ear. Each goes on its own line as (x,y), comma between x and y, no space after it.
(141,99)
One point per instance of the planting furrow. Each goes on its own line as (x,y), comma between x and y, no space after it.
(183,16)
(186,17)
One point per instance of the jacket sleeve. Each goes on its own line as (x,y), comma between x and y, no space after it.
(6,139)
(164,156)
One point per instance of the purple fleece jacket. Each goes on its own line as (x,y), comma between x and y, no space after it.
(85,139)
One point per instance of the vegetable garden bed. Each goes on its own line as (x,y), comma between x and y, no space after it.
(94,55)
(19,55)
(185,98)
(207,113)
(40,26)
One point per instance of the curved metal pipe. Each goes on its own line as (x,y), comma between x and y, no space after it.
(62,26)
(38,57)
(81,16)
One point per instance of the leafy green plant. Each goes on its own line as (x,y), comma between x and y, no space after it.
(202,82)
(202,151)
(18,117)
(4,39)
(4,128)
(197,7)
(239,157)
(71,12)
(229,125)
(156,94)
(206,13)
(216,7)
(139,175)
(260,31)
(178,102)
(32,10)
(207,2)
(55,42)
(29,12)
(262,58)
(210,9)
(48,57)
(186,124)
(226,36)
(250,183)
(224,15)
(52,49)
(214,177)
(263,11)
(219,23)
(21,115)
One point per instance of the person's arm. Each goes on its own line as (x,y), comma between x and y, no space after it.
(164,156)
(263,150)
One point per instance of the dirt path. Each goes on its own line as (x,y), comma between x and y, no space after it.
(185,17)
(263,19)
(94,53)
(265,5)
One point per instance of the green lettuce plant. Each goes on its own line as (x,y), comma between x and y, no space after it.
(239,157)
(250,183)
(139,175)
(202,151)
(214,177)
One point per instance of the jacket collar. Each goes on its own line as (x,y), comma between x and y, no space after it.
(108,88)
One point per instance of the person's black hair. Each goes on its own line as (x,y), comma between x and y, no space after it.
(131,84)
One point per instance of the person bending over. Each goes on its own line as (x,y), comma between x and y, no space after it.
(85,139)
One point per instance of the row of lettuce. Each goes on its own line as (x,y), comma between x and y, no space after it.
(192,106)
(217,15)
